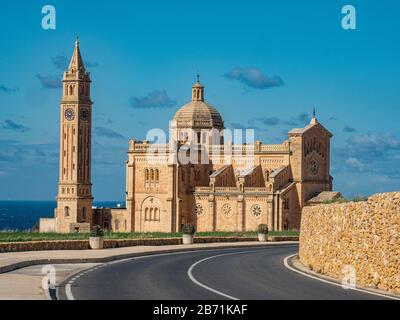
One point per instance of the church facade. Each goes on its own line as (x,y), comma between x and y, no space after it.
(199,176)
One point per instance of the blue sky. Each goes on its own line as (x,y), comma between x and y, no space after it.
(265,64)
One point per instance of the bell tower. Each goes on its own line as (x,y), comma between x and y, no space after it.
(74,200)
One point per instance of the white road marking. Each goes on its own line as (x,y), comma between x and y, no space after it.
(68,292)
(193,279)
(285,262)
(68,286)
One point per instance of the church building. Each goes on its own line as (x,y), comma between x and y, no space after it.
(229,187)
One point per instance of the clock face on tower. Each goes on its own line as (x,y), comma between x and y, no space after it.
(84,114)
(313,167)
(69,114)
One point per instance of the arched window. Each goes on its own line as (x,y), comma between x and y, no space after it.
(151,174)
(198,137)
(66,211)
(157,174)
(146,174)
(151,214)
(267,175)
(146,214)
(156,214)
(71,90)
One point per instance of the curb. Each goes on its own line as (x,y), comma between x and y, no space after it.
(28,263)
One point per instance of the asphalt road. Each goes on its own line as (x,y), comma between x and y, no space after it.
(243,273)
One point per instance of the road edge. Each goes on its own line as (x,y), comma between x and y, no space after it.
(293,263)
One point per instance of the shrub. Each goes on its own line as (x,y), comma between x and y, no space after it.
(96,231)
(188,228)
(359,198)
(336,200)
(263,228)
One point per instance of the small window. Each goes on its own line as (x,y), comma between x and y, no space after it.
(286,204)
(66,211)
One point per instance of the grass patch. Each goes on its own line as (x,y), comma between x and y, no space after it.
(6,236)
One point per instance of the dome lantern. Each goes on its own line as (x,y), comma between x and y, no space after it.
(198,90)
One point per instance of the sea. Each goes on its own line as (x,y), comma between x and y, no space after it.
(23,215)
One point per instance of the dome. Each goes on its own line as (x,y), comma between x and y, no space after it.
(198,113)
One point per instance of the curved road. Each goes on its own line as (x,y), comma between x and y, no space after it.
(242,273)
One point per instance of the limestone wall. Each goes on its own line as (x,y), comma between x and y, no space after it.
(355,238)
(47,225)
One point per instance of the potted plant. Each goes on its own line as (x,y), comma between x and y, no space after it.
(96,238)
(188,231)
(262,232)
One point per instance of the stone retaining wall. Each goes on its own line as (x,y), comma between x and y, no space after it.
(360,239)
(115,243)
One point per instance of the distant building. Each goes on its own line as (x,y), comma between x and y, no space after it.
(229,191)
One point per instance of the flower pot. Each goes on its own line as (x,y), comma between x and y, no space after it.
(187,238)
(262,237)
(96,243)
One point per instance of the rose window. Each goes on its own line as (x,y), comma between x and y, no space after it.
(227,210)
(198,209)
(257,211)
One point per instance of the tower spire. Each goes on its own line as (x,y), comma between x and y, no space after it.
(76,60)
(313,119)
